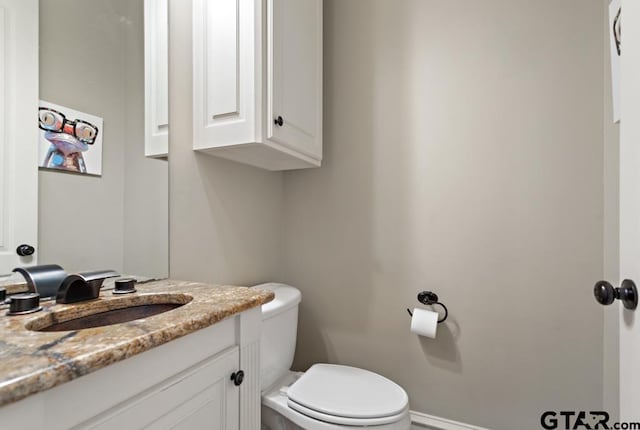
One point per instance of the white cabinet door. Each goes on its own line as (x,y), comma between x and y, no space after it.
(225,79)
(203,397)
(156,73)
(18,130)
(295,75)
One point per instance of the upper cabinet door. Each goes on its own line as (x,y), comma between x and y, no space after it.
(156,73)
(257,81)
(225,79)
(18,131)
(294,59)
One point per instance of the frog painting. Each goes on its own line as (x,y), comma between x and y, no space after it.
(69,140)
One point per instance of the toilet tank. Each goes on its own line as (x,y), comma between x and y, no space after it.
(279,330)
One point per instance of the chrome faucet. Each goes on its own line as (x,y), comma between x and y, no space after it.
(79,287)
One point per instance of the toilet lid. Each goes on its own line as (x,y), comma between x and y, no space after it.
(344,392)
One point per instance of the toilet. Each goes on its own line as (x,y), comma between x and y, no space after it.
(327,396)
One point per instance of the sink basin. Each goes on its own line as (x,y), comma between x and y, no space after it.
(100,313)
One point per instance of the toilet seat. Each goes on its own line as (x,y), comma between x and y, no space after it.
(345,395)
(276,412)
(345,421)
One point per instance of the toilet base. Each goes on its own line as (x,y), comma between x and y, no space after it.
(271,420)
(277,415)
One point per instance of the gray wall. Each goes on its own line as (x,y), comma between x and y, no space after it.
(82,222)
(225,217)
(463,155)
(611,234)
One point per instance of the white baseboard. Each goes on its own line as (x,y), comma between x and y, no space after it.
(420,421)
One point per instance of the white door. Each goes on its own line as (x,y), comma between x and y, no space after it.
(295,75)
(18,131)
(630,208)
(224,73)
(215,407)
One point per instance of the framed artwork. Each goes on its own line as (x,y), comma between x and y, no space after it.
(70,140)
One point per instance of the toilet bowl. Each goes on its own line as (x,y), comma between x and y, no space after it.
(327,396)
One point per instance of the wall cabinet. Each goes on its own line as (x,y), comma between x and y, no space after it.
(184,384)
(156,78)
(257,81)
(18,131)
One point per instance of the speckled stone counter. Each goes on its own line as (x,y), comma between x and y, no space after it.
(33,361)
(13,283)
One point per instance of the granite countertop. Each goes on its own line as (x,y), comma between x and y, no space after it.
(32,361)
(13,283)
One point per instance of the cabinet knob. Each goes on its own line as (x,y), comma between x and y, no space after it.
(606,294)
(237,377)
(279,121)
(25,250)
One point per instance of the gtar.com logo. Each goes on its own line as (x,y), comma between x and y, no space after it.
(582,420)
(574,420)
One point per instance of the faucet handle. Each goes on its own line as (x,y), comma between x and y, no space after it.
(79,287)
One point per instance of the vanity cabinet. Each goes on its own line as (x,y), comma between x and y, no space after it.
(156,78)
(18,132)
(202,397)
(257,81)
(184,384)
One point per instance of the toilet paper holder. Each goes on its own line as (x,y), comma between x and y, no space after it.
(431,298)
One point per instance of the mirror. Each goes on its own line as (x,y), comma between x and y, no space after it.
(92,60)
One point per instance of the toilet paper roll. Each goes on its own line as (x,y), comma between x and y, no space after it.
(424,323)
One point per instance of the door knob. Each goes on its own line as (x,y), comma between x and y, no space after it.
(279,121)
(25,250)
(606,294)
